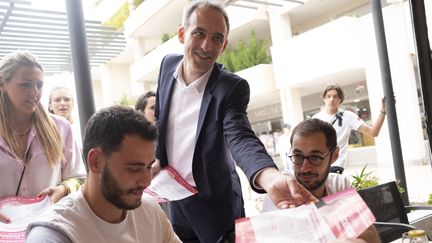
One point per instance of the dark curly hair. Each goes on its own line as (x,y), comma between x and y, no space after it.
(107,128)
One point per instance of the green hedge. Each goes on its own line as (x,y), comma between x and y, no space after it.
(119,17)
(246,54)
(117,20)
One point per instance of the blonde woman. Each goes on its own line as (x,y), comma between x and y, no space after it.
(38,155)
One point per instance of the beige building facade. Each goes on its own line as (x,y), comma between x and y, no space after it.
(311,45)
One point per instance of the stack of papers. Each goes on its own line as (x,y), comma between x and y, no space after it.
(168,185)
(21,211)
(339,216)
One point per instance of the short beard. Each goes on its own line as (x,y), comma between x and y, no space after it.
(113,193)
(317,184)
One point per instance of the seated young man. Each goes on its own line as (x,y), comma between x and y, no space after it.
(313,150)
(119,147)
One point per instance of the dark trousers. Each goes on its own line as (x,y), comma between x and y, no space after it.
(193,222)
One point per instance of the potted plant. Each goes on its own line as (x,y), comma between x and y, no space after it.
(364,179)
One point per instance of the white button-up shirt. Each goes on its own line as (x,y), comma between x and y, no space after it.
(183,122)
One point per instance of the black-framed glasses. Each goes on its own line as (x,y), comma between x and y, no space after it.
(315,160)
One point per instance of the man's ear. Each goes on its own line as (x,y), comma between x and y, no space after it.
(95,160)
(181,33)
(335,155)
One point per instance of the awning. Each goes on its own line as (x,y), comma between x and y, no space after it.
(45,33)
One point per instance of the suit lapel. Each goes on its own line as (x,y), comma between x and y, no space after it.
(207,98)
(167,88)
(166,100)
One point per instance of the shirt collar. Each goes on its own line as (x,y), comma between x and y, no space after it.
(199,84)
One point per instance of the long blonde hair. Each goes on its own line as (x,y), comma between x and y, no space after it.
(46,130)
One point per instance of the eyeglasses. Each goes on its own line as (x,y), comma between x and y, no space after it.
(315,160)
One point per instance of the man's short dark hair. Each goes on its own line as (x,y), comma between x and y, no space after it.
(107,128)
(312,126)
(334,87)
(190,9)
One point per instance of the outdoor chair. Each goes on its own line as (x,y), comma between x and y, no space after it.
(386,204)
(336,169)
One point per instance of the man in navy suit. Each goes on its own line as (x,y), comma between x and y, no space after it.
(203,129)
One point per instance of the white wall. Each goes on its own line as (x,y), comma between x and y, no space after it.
(260,78)
(115,82)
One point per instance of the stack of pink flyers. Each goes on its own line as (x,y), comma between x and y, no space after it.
(21,211)
(168,185)
(339,216)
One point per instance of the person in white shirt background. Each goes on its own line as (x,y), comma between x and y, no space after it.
(344,121)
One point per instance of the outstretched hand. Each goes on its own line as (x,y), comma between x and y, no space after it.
(283,190)
(286,192)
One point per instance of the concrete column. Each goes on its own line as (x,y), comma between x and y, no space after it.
(280,28)
(280,25)
(138,46)
(292,110)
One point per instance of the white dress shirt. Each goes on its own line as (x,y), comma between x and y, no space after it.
(183,122)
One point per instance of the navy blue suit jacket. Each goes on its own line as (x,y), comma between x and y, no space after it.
(223,134)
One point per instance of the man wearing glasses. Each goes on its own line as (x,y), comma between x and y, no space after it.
(313,150)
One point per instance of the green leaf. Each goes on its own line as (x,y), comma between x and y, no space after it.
(364,179)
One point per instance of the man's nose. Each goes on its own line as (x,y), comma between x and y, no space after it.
(306,166)
(146,178)
(206,44)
